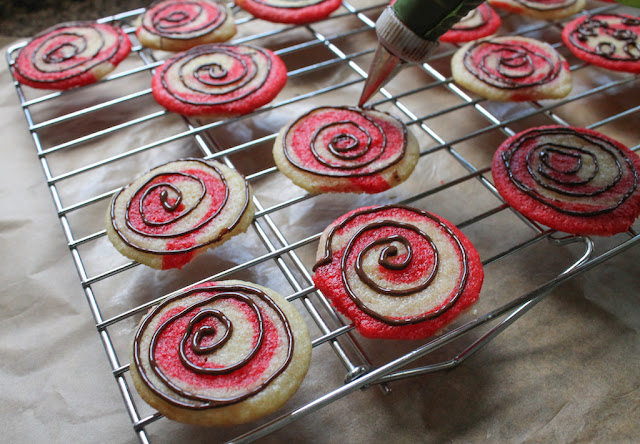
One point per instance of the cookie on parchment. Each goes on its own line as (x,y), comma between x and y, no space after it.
(574,180)
(178,25)
(541,9)
(219,80)
(177,211)
(220,353)
(608,40)
(71,54)
(346,150)
(512,69)
(480,22)
(290,11)
(397,272)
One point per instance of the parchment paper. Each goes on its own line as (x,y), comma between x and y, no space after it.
(567,371)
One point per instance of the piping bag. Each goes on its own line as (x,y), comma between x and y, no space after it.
(408,31)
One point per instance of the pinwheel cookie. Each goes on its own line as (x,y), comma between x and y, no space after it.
(349,150)
(541,9)
(512,69)
(219,80)
(176,211)
(480,22)
(574,180)
(290,11)
(608,40)
(178,25)
(397,272)
(71,54)
(220,353)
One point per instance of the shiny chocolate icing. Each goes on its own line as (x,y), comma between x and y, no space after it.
(149,361)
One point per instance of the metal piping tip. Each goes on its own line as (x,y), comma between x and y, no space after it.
(384,63)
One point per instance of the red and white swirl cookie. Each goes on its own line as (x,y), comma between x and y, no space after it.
(176,211)
(512,69)
(480,22)
(178,25)
(290,11)
(541,9)
(608,40)
(397,272)
(71,54)
(220,353)
(574,180)
(219,80)
(346,150)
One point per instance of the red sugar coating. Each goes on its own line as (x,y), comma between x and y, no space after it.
(275,81)
(611,222)
(302,15)
(305,129)
(328,279)
(489,27)
(168,359)
(585,52)
(154,210)
(57,40)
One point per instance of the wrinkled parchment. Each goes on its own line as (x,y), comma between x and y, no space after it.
(566,371)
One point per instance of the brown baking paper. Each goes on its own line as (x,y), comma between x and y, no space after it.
(566,371)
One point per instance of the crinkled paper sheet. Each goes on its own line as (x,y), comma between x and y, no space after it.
(566,371)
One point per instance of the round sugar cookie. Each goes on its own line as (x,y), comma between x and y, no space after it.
(512,69)
(480,22)
(71,54)
(574,180)
(397,272)
(220,353)
(607,40)
(346,150)
(541,9)
(219,80)
(290,11)
(177,211)
(178,25)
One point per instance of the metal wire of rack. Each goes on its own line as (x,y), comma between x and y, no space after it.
(286,253)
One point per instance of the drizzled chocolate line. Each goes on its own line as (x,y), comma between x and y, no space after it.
(224,231)
(515,56)
(540,6)
(598,25)
(347,153)
(79,46)
(248,74)
(610,149)
(295,4)
(384,260)
(242,293)
(163,24)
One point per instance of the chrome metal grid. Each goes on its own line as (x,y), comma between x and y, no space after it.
(329,57)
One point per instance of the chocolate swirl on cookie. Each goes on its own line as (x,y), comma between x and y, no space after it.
(344,142)
(611,36)
(167,213)
(71,50)
(215,74)
(397,256)
(512,64)
(184,19)
(213,345)
(575,173)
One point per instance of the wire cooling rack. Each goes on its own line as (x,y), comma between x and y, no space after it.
(87,142)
